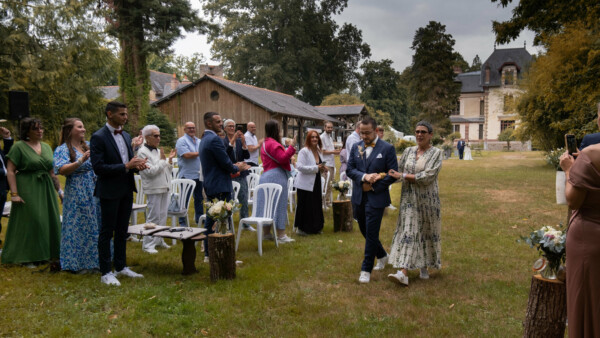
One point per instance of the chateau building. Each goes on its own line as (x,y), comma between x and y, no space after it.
(486,105)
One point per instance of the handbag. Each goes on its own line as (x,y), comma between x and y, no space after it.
(287,173)
(174,204)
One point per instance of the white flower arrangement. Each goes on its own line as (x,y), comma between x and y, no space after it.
(220,211)
(550,243)
(342,187)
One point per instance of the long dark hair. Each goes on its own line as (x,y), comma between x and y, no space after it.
(26,125)
(66,134)
(272,130)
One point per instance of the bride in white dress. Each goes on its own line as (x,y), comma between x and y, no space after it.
(468,156)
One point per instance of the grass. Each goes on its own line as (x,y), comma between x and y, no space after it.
(310,288)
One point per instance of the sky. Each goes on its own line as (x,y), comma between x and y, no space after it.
(388,26)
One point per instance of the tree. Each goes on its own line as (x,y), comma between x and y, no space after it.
(561,89)
(432,77)
(168,136)
(476,64)
(545,18)
(381,90)
(507,135)
(144,27)
(460,63)
(293,46)
(340,99)
(56,51)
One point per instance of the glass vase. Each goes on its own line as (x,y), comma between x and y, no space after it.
(551,269)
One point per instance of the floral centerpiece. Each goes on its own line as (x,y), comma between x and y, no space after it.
(342,187)
(550,243)
(220,211)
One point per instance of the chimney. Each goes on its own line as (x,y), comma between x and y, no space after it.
(174,82)
(185,81)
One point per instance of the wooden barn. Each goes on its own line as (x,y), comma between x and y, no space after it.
(240,102)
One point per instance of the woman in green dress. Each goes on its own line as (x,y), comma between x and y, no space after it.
(33,234)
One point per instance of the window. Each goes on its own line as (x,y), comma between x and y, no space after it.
(214,95)
(456,109)
(457,128)
(487,74)
(505,124)
(509,77)
(481,107)
(481,131)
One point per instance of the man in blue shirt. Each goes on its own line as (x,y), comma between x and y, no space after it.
(188,159)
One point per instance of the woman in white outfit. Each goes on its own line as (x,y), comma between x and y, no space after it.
(156,181)
(468,156)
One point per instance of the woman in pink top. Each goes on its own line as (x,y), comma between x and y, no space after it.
(276,165)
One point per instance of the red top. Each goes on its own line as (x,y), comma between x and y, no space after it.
(278,152)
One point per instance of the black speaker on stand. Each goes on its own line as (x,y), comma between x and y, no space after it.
(18,105)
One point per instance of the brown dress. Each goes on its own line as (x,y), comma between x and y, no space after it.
(583,253)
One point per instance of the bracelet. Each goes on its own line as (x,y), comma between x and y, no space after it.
(13,194)
(80,161)
(403,176)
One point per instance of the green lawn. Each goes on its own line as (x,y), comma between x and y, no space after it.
(310,287)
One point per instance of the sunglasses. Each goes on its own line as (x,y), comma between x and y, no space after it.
(37,128)
(421,132)
(155,136)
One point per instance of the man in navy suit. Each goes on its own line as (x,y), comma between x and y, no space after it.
(461,148)
(114,164)
(594,138)
(368,164)
(8,142)
(216,167)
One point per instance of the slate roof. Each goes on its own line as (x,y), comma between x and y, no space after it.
(342,110)
(271,101)
(500,57)
(110,92)
(470,82)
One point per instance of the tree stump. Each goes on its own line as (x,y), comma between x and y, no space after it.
(221,252)
(546,308)
(342,216)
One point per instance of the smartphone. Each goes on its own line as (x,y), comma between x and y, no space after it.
(324,162)
(571,143)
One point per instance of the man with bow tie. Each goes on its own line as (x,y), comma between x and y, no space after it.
(368,163)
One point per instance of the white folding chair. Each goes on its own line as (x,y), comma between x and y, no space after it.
(174,173)
(139,205)
(183,188)
(270,193)
(252,180)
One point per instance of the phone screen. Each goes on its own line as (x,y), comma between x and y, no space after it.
(571,143)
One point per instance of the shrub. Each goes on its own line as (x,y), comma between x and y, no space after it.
(168,137)
(553,158)
(403,144)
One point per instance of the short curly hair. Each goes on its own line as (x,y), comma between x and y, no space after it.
(26,125)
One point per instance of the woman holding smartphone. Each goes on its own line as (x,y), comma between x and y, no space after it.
(309,214)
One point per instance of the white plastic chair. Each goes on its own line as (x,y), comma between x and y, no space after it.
(183,188)
(139,205)
(349,193)
(252,180)
(324,183)
(291,194)
(271,193)
(174,173)
(256,170)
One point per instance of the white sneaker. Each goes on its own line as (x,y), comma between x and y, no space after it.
(128,273)
(365,277)
(285,239)
(150,250)
(249,228)
(381,262)
(399,278)
(206,259)
(110,279)
(424,273)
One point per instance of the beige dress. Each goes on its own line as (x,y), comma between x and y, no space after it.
(417,242)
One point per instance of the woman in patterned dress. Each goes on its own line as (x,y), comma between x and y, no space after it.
(417,242)
(81,210)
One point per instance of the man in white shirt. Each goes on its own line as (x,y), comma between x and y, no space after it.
(329,153)
(252,144)
(353,138)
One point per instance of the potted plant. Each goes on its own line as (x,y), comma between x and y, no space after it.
(553,159)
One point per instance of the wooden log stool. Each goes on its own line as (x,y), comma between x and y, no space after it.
(342,216)
(221,252)
(546,308)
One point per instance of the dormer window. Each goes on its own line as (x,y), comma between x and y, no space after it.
(487,74)
(509,77)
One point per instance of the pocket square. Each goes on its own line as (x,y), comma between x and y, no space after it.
(379,156)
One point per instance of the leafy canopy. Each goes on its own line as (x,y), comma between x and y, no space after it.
(292,46)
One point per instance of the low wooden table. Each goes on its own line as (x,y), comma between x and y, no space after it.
(188,254)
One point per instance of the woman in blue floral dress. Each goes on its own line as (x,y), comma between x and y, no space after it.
(81,210)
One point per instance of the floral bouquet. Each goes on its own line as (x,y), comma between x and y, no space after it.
(342,187)
(220,211)
(550,243)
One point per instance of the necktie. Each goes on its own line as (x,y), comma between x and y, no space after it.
(118,131)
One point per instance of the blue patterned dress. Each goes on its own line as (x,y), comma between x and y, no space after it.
(81,215)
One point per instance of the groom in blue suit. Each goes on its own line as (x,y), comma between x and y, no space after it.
(216,167)
(368,164)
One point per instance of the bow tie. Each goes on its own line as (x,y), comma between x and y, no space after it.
(118,131)
(370,145)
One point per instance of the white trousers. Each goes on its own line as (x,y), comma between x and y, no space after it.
(157,214)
